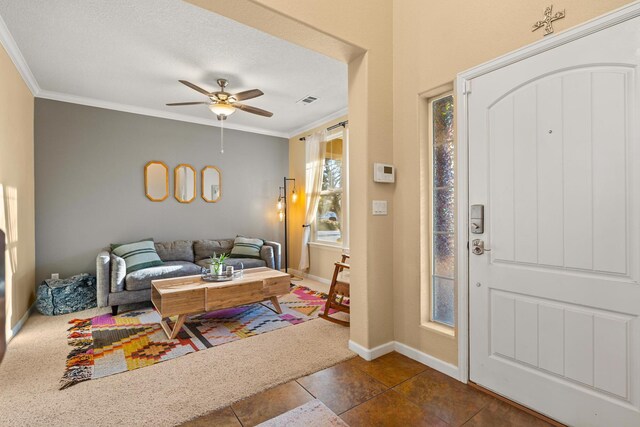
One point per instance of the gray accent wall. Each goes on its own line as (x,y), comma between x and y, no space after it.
(90,183)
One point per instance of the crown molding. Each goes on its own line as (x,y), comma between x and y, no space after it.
(92,102)
(333,116)
(9,44)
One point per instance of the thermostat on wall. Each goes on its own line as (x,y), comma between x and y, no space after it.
(384,173)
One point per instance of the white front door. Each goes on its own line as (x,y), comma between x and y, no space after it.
(554,159)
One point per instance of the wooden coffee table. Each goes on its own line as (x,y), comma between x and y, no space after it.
(184,296)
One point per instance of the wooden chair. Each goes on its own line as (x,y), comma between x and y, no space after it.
(338,291)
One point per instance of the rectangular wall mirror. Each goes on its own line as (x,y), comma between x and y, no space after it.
(156,181)
(184,183)
(211,184)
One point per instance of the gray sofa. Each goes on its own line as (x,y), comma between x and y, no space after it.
(180,257)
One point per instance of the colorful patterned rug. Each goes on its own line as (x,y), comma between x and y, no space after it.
(107,345)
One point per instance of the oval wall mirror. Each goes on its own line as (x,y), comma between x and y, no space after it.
(184,183)
(211,184)
(156,181)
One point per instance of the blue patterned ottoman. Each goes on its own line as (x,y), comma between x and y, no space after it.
(61,296)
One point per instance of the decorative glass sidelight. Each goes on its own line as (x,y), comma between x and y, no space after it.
(443,203)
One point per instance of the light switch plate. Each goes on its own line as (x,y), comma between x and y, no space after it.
(379,207)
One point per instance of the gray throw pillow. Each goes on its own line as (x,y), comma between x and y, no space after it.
(178,250)
(205,248)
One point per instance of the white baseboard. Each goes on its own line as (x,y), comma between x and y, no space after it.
(373,353)
(14,331)
(318,279)
(310,276)
(430,361)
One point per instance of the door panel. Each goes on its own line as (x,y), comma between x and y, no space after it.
(578,183)
(569,188)
(524,176)
(551,338)
(502,169)
(549,171)
(609,171)
(553,156)
(571,342)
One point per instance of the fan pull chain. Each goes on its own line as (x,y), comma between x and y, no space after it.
(222,136)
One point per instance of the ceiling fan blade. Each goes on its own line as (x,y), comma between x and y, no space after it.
(173,104)
(248,94)
(253,110)
(194,87)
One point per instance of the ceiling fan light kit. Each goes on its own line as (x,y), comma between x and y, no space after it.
(222,109)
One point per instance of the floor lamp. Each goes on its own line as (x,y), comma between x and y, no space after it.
(283,213)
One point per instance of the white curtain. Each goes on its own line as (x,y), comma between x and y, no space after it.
(316,147)
(345,191)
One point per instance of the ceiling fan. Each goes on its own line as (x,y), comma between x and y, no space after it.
(223,103)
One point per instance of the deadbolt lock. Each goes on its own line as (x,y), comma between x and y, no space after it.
(477,219)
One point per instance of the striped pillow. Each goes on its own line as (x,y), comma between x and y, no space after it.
(137,255)
(243,247)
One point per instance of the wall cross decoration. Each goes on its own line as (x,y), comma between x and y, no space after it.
(547,22)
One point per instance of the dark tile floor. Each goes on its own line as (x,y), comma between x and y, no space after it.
(392,390)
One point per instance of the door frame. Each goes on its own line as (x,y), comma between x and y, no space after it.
(463,87)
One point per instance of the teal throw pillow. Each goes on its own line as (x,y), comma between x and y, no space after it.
(137,255)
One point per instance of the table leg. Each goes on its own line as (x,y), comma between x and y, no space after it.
(172,333)
(276,304)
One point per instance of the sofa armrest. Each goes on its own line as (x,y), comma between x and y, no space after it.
(266,253)
(276,254)
(118,274)
(103,261)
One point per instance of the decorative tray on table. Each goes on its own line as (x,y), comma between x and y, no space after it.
(208,277)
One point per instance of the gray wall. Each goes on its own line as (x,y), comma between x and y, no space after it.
(90,188)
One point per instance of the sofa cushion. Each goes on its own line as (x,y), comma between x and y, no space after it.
(235,263)
(246,262)
(141,279)
(245,247)
(137,255)
(178,250)
(205,248)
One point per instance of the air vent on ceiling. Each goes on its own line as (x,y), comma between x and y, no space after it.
(307,100)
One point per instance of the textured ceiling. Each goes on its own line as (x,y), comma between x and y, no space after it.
(127,53)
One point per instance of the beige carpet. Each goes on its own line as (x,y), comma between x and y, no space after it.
(164,394)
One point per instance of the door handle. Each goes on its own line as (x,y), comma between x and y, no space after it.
(477,247)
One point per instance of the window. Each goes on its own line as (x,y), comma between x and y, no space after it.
(443,209)
(329,220)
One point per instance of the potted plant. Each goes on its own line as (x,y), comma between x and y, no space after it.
(217,263)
